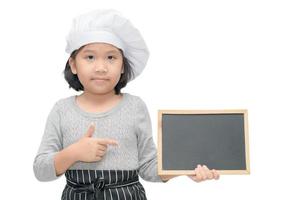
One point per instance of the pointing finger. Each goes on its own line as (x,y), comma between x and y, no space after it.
(106,141)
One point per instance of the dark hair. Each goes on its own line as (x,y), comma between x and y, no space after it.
(73,81)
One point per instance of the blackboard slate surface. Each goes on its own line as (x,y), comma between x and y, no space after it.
(216,138)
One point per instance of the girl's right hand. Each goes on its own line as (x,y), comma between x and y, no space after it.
(89,149)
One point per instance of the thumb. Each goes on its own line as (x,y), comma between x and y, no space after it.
(90,130)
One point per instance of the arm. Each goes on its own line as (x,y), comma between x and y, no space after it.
(51,144)
(165,178)
(147,152)
(64,159)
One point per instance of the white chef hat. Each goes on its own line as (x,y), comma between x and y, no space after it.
(109,26)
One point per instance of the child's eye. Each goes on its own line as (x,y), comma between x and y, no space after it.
(90,57)
(111,57)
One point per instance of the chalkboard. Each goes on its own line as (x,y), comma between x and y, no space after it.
(216,138)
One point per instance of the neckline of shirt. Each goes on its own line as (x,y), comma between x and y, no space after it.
(98,114)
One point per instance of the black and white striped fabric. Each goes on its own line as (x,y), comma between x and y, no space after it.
(103,185)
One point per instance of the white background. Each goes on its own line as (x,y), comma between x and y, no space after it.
(204,55)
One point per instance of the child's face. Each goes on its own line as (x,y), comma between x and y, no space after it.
(98,61)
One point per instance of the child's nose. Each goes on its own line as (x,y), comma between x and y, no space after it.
(100,66)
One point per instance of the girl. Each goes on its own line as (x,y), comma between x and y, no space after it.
(102,139)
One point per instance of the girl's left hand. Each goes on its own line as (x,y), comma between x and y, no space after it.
(203,173)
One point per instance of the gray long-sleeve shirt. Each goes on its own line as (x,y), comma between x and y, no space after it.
(128,122)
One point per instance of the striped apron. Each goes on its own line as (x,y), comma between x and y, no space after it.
(103,185)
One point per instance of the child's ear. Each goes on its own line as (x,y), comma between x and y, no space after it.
(122,69)
(72,65)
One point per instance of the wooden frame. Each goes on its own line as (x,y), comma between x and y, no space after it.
(190,172)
